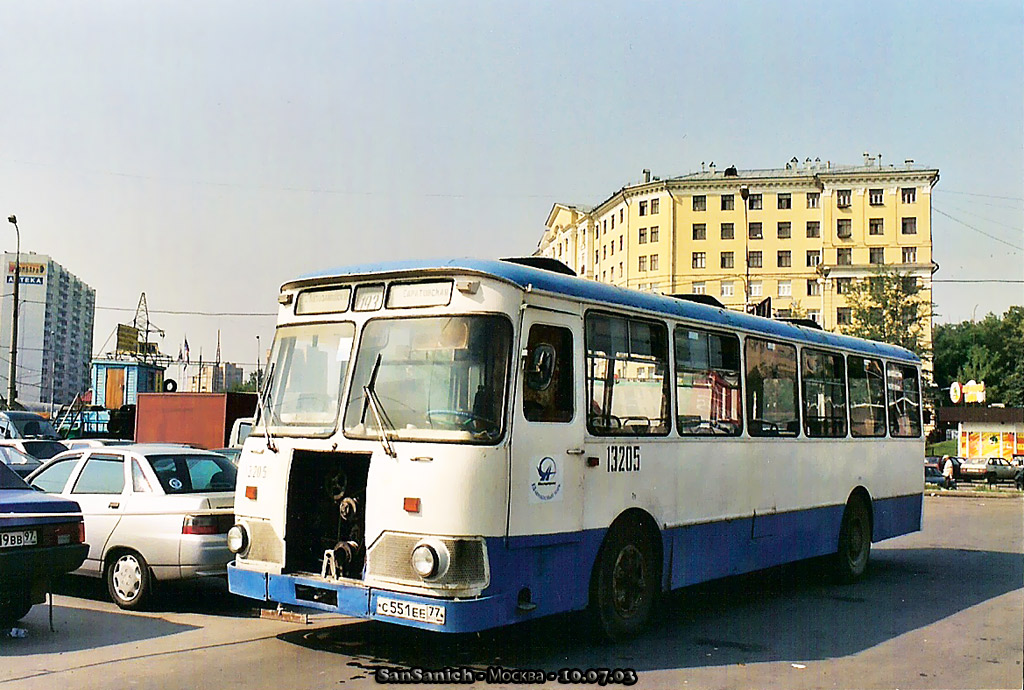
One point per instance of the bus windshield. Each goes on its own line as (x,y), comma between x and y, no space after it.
(307,372)
(430,379)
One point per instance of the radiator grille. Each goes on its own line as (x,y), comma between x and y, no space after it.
(389,559)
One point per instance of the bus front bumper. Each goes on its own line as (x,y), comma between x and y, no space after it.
(359,601)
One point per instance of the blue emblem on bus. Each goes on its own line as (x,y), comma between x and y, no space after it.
(547,485)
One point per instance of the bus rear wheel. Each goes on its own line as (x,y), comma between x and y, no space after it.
(625,582)
(851,559)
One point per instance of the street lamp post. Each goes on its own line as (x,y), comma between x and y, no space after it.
(744,195)
(258,372)
(12,386)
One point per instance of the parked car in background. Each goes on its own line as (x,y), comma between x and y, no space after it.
(34,550)
(38,448)
(18,424)
(1018,479)
(973,468)
(22,463)
(999,470)
(232,454)
(76,443)
(152,513)
(932,475)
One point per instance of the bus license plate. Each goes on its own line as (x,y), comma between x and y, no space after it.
(15,539)
(425,613)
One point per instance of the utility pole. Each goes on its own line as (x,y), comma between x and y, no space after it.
(12,384)
(744,195)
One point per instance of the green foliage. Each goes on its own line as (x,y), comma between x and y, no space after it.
(247,387)
(890,307)
(990,350)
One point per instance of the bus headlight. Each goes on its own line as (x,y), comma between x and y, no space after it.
(430,559)
(238,539)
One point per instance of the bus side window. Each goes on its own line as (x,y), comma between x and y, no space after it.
(772,398)
(548,380)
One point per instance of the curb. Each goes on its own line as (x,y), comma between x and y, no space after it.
(959,493)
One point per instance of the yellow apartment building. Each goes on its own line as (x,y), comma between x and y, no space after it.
(799,234)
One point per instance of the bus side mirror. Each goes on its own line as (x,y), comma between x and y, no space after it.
(540,367)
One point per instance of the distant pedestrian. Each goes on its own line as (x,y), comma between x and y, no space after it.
(947,472)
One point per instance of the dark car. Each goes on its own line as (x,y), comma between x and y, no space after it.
(1018,479)
(932,475)
(21,462)
(34,550)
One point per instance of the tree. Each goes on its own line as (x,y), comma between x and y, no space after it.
(890,307)
(247,387)
(989,350)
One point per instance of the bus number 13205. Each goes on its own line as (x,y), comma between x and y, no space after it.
(623,459)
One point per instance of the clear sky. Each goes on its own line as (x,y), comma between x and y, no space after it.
(206,152)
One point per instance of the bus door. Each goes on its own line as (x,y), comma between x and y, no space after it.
(546,494)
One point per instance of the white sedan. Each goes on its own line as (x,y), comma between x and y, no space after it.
(152,513)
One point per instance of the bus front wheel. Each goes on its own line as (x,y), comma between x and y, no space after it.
(851,560)
(625,582)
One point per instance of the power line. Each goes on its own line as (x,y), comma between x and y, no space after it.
(987,196)
(968,225)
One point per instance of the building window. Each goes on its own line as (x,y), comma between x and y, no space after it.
(620,243)
(613,221)
(877,255)
(876,226)
(728,202)
(604,252)
(642,264)
(785,229)
(622,270)
(643,208)
(754,202)
(909,195)
(700,203)
(613,248)
(910,255)
(727,289)
(844,256)
(784,259)
(754,259)
(754,232)
(755,288)
(843,198)
(654,233)
(654,262)
(910,226)
(785,201)
(728,231)
(813,199)
(843,285)
(699,259)
(814,228)
(844,316)
(655,206)
(909,283)
(643,236)
(620,215)
(597,256)
(785,288)
(700,288)
(813,288)
(727,260)
(844,228)
(604,226)
(814,315)
(700,231)
(875,197)
(813,257)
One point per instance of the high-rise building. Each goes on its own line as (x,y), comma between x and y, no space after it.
(215,378)
(55,330)
(799,234)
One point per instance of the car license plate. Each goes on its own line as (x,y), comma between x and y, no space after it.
(14,539)
(425,613)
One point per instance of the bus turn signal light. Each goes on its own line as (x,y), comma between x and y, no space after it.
(250,493)
(411,505)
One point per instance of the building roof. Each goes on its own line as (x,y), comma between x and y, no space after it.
(534,279)
(999,415)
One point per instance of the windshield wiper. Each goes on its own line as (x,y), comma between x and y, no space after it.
(264,408)
(371,401)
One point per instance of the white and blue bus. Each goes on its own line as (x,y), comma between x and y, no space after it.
(461,445)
